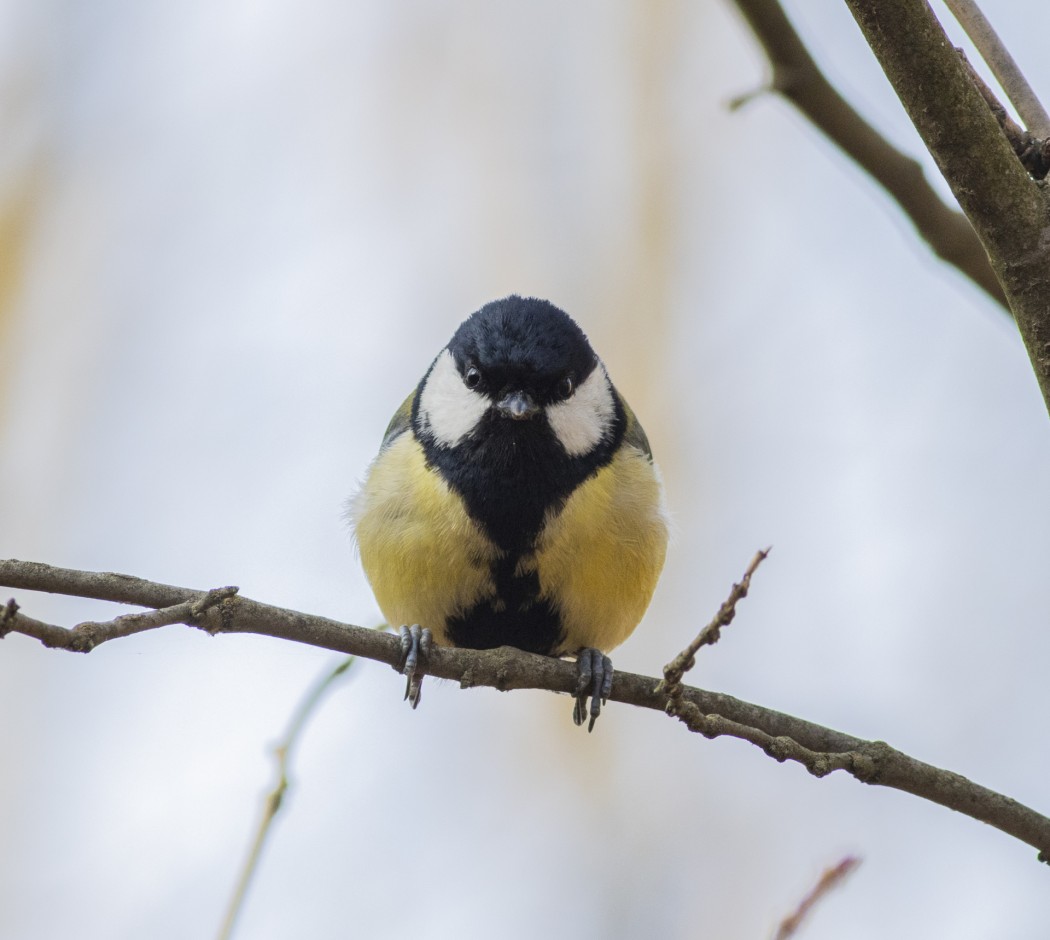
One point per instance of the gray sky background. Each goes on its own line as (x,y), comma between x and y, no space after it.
(251,228)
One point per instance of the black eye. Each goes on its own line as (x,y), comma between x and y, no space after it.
(565,387)
(472,377)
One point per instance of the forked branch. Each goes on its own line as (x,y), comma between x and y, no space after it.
(800,81)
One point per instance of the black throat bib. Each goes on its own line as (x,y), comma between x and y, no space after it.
(511,475)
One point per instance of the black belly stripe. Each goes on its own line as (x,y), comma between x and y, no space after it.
(518,617)
(535,628)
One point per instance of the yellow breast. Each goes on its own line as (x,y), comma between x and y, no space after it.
(425,558)
(599,558)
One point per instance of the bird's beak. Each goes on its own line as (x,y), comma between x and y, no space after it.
(517,405)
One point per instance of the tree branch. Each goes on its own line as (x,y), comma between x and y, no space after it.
(987,42)
(797,77)
(1006,208)
(1033,152)
(783,737)
(830,879)
(671,684)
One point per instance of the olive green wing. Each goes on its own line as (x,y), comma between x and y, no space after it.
(401,422)
(633,433)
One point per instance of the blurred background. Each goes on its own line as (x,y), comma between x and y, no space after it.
(232,238)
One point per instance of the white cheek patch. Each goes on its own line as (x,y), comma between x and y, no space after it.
(448,408)
(581,421)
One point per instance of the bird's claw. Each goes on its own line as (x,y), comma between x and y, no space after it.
(415,651)
(594,678)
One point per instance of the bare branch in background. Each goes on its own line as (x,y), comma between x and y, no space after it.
(275,798)
(830,879)
(797,77)
(1005,206)
(821,750)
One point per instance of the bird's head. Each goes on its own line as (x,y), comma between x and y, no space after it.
(518,367)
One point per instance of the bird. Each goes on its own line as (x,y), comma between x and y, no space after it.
(514,502)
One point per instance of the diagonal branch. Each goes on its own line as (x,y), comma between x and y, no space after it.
(1032,151)
(275,798)
(987,42)
(671,683)
(783,737)
(1006,208)
(797,77)
(830,879)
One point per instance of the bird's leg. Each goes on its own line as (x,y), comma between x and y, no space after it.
(415,650)
(594,678)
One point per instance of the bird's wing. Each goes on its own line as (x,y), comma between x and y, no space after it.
(633,433)
(401,421)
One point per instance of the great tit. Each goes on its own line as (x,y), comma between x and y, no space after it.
(514,501)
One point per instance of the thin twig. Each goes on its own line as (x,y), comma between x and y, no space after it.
(784,737)
(710,634)
(275,798)
(14,621)
(84,637)
(89,634)
(830,879)
(862,762)
(1006,71)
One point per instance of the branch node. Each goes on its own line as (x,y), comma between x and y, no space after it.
(1035,155)
(7,616)
(216,597)
(502,676)
(822,766)
(746,97)
(83,637)
(864,767)
(781,748)
(867,763)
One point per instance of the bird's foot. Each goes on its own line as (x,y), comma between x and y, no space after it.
(594,678)
(415,651)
